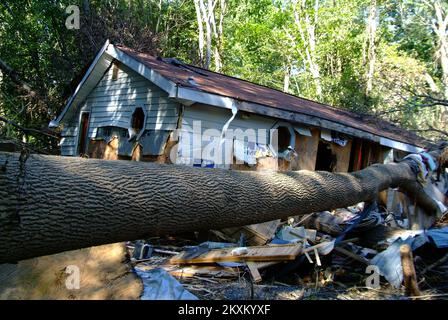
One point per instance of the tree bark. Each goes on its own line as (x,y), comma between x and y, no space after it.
(207,16)
(50,204)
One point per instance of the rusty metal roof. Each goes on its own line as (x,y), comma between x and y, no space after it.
(195,78)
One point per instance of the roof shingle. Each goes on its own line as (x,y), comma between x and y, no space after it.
(223,85)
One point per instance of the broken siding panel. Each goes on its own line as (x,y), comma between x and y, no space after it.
(69,131)
(68,146)
(306,148)
(342,156)
(153,142)
(214,118)
(196,146)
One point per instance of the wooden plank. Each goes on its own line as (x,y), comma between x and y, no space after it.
(306,148)
(256,277)
(256,253)
(265,230)
(264,264)
(342,156)
(256,234)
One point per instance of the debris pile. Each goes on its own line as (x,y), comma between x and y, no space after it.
(387,248)
(348,253)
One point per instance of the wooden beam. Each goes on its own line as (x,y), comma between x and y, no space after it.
(256,253)
(254,271)
(409,275)
(306,148)
(342,156)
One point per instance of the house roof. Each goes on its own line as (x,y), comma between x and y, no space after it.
(191,84)
(216,83)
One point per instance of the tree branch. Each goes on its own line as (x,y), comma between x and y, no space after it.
(28,130)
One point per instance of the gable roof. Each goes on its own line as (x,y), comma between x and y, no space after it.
(191,83)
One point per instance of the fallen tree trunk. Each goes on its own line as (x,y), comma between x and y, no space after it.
(50,204)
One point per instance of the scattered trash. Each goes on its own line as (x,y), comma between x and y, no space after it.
(320,252)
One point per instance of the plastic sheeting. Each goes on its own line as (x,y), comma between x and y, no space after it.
(160,285)
(439,237)
(389,261)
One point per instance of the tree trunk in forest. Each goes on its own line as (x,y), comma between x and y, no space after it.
(287,77)
(50,204)
(200,32)
(302,17)
(206,16)
(371,47)
(219,37)
(440,27)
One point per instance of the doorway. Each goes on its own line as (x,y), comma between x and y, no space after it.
(325,159)
(83,129)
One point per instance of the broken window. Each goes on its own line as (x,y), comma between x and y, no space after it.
(284,138)
(107,132)
(137,121)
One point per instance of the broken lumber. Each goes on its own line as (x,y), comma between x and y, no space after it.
(278,252)
(50,204)
(409,275)
(256,277)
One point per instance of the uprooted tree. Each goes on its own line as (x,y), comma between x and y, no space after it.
(50,204)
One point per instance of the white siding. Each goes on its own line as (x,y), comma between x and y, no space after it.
(112,102)
(216,118)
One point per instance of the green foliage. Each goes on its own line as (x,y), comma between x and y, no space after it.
(261,42)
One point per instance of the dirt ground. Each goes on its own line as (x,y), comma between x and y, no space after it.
(104,274)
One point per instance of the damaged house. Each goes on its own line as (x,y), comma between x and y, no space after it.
(131,105)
